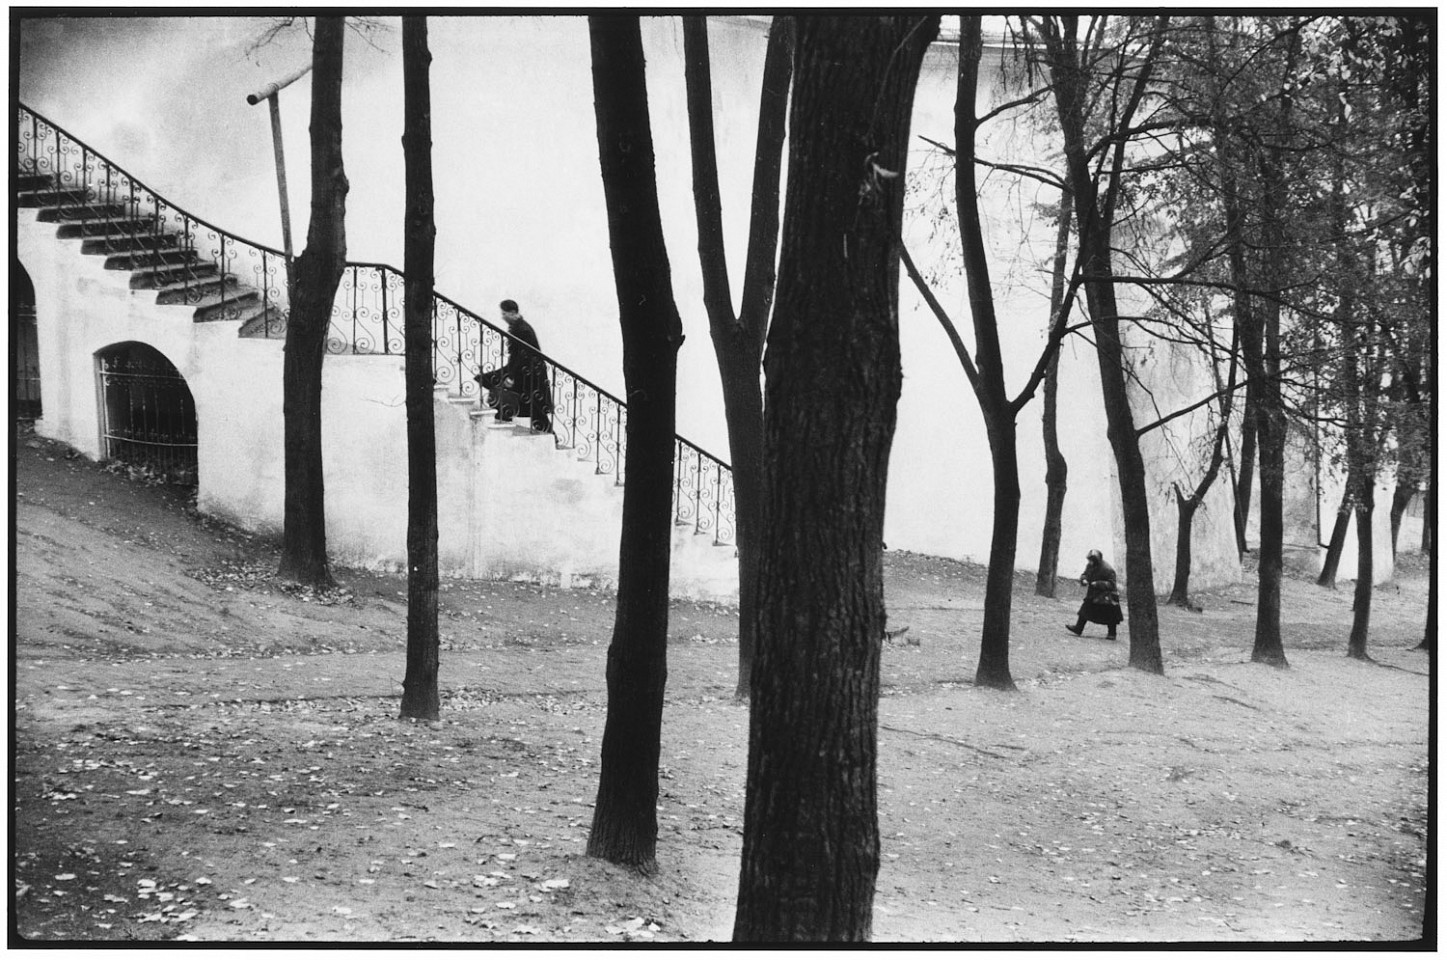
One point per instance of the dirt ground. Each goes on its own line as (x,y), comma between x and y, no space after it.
(201,755)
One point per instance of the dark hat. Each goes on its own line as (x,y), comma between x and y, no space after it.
(509,306)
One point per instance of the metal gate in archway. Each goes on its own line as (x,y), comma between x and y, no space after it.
(148,417)
(24,346)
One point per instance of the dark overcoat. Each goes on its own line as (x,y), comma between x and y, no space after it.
(521,385)
(1102,598)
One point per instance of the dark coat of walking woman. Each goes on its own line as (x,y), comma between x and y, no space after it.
(1102,598)
(520,386)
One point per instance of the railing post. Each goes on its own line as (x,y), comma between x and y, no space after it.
(717,502)
(353,309)
(382,283)
(698,493)
(456,312)
(677,478)
(553,392)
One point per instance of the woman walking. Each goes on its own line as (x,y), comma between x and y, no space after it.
(1102,599)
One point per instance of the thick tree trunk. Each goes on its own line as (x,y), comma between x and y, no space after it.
(994,664)
(625,825)
(1056,469)
(1332,561)
(316,274)
(420,698)
(739,340)
(1362,597)
(811,834)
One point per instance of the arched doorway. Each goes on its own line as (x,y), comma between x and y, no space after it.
(24,357)
(148,417)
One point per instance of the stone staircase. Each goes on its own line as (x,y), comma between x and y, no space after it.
(157,259)
(185,262)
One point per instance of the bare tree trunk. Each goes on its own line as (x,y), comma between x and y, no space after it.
(625,825)
(1429,635)
(811,833)
(1271,409)
(420,699)
(1094,212)
(993,669)
(1429,514)
(1247,476)
(1185,517)
(1362,596)
(1402,495)
(739,340)
(1056,469)
(1186,507)
(317,272)
(1271,431)
(1332,561)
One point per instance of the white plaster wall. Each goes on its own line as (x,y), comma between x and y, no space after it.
(81,308)
(509,503)
(520,215)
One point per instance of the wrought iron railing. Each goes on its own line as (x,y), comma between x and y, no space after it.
(202,262)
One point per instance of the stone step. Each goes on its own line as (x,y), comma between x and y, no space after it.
(120,242)
(139,259)
(30,181)
(99,228)
(82,210)
(265,323)
(44,195)
(170,275)
(233,305)
(196,291)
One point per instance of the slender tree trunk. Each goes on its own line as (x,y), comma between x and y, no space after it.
(993,669)
(1271,430)
(1271,410)
(1247,476)
(1185,517)
(1094,214)
(420,698)
(1362,597)
(1186,507)
(744,418)
(1332,561)
(811,834)
(1402,495)
(625,825)
(316,273)
(1429,514)
(1056,469)
(739,340)
(1429,635)
(994,664)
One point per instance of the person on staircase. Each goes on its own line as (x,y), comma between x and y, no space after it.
(520,386)
(1102,598)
